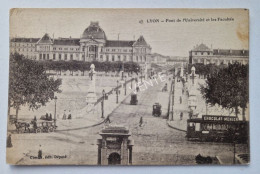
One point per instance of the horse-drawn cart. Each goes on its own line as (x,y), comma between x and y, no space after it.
(35,127)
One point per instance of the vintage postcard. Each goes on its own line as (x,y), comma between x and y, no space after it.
(128,87)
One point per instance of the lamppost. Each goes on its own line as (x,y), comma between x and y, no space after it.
(125,85)
(102,103)
(131,80)
(117,91)
(141,75)
(123,69)
(55,100)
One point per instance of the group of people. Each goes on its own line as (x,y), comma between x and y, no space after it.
(47,117)
(65,115)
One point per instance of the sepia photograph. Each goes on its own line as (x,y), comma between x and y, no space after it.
(128,87)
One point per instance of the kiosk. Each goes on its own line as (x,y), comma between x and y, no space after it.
(115,148)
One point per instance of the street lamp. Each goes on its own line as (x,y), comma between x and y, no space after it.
(117,91)
(55,100)
(131,80)
(125,85)
(102,103)
(141,75)
(123,69)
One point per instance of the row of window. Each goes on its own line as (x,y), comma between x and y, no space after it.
(116,50)
(66,56)
(44,48)
(102,58)
(140,50)
(22,44)
(202,53)
(66,49)
(23,49)
(217,61)
(121,58)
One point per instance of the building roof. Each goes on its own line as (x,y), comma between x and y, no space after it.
(120,43)
(67,41)
(46,39)
(140,42)
(159,55)
(31,40)
(94,31)
(230,52)
(201,47)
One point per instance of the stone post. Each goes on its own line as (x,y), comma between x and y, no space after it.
(91,95)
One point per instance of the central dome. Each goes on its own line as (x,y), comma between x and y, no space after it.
(94,32)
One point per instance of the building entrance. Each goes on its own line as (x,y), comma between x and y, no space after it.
(114,159)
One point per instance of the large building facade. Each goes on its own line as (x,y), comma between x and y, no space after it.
(93,45)
(203,54)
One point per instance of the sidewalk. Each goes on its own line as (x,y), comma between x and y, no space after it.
(93,118)
(180,106)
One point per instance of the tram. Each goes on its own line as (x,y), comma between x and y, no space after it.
(217,128)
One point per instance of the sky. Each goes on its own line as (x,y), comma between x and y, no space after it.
(167,38)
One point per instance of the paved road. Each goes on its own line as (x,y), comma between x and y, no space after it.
(155,142)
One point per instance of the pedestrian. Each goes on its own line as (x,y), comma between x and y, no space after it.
(9,141)
(141,122)
(64,115)
(46,116)
(40,153)
(137,88)
(50,118)
(107,119)
(180,100)
(181,116)
(69,115)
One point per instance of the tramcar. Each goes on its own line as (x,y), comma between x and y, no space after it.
(217,128)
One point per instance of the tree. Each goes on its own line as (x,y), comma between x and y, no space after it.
(29,84)
(228,88)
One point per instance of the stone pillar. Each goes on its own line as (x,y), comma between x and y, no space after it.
(181,74)
(99,143)
(145,70)
(91,95)
(104,157)
(130,155)
(124,152)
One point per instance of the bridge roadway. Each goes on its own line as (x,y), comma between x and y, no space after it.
(155,142)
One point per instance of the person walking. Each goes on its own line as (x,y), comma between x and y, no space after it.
(64,115)
(181,116)
(40,153)
(50,118)
(9,141)
(141,122)
(69,115)
(46,116)
(107,119)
